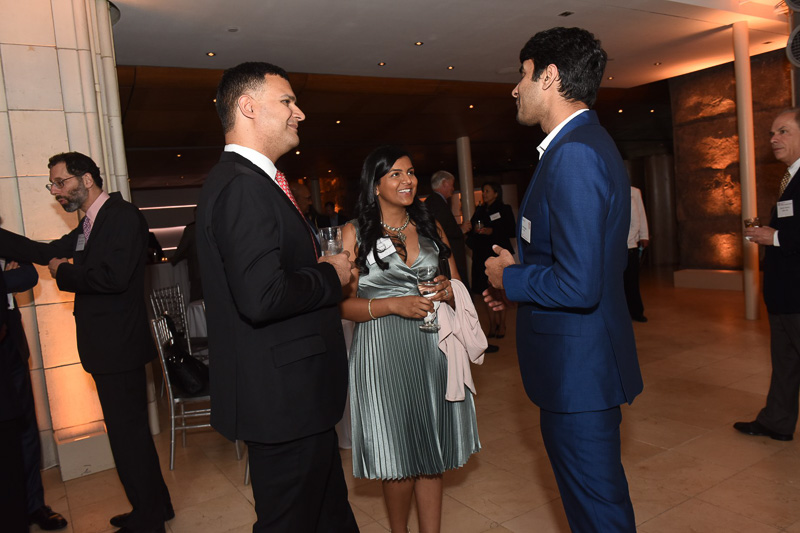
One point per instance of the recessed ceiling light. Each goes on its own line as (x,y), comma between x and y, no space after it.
(382,64)
(338,121)
(330,171)
(233,29)
(450,67)
(652,110)
(657,63)
(297,152)
(215,100)
(619,111)
(179,155)
(471,106)
(418,43)
(611,77)
(211,54)
(566,13)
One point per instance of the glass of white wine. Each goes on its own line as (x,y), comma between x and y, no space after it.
(427,288)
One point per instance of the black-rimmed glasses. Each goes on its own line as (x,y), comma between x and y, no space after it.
(57,183)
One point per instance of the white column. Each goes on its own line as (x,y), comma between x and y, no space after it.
(58,93)
(747,163)
(465,181)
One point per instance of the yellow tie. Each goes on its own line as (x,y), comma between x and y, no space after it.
(784,183)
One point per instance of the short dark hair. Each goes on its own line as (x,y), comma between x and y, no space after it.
(578,56)
(497,188)
(235,82)
(77,165)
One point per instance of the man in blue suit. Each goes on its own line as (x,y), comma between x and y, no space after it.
(577,353)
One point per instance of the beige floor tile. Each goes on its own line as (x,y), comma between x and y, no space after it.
(782,467)
(215,515)
(763,500)
(650,499)
(681,473)
(700,517)
(549,518)
(727,447)
(658,431)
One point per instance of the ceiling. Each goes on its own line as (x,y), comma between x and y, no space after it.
(332,50)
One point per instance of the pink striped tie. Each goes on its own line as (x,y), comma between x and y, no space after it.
(87,228)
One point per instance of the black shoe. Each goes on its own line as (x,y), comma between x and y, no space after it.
(640,318)
(121,519)
(158,529)
(47,519)
(757,429)
(492,348)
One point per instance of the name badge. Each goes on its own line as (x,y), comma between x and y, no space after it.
(525,230)
(384,247)
(81,244)
(785,209)
(495,216)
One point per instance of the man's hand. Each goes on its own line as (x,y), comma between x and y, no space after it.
(760,235)
(643,243)
(496,265)
(11,265)
(496,299)
(466,226)
(54,264)
(341,262)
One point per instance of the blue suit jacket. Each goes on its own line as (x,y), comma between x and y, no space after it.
(574,335)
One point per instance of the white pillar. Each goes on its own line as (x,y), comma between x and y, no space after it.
(58,93)
(465,181)
(747,163)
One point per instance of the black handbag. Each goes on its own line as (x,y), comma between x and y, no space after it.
(185,371)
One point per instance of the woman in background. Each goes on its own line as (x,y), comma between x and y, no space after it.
(492,223)
(404,431)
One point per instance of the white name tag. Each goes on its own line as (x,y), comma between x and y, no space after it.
(785,209)
(495,216)
(384,247)
(525,230)
(81,244)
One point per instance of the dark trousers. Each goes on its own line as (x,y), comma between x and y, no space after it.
(12,478)
(631,282)
(584,451)
(780,413)
(123,397)
(299,486)
(31,445)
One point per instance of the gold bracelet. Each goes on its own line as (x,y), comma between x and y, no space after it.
(369,308)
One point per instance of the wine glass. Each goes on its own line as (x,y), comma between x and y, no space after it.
(427,288)
(479,225)
(330,240)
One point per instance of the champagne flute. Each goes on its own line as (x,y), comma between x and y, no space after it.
(330,240)
(427,288)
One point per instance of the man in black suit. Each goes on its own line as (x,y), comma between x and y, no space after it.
(108,251)
(781,240)
(438,205)
(12,472)
(331,217)
(20,278)
(277,354)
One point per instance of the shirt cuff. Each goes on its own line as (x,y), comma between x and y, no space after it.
(775,241)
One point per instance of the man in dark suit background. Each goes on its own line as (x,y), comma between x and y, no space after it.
(108,249)
(277,354)
(331,217)
(577,353)
(781,239)
(20,278)
(438,205)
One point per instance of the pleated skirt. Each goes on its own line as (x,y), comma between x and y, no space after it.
(402,424)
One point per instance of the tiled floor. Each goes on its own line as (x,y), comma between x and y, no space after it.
(704,367)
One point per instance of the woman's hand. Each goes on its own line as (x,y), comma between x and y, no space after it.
(411,306)
(445,290)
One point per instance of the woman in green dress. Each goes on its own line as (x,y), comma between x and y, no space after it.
(404,431)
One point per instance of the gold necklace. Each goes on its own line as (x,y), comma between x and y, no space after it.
(398,231)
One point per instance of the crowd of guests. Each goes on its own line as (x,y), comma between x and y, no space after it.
(280,371)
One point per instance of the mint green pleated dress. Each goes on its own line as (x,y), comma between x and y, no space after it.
(402,424)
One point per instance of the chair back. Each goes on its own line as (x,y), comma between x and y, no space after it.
(169,300)
(162,337)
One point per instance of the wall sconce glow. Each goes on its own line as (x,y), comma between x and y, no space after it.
(214,100)
(211,54)
(652,110)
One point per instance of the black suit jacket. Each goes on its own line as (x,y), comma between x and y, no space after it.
(18,280)
(107,277)
(782,263)
(277,354)
(440,210)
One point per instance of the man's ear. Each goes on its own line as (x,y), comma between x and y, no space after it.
(550,77)
(246,105)
(88,180)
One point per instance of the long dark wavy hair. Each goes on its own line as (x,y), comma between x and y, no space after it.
(368,210)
